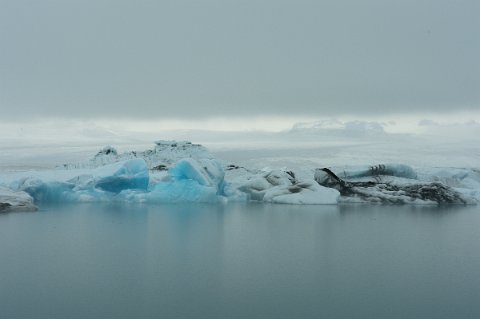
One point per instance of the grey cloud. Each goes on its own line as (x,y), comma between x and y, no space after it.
(144,59)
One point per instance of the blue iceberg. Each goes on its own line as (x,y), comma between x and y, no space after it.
(133,174)
(47,191)
(190,180)
(102,185)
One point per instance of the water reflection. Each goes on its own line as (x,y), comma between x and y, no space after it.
(240,260)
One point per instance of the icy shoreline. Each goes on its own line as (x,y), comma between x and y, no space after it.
(179,171)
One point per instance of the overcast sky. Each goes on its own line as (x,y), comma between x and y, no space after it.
(198,59)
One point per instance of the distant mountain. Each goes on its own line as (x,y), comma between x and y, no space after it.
(339,128)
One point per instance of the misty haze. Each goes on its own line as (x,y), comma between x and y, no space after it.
(239,159)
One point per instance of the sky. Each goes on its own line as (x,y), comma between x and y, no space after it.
(192,61)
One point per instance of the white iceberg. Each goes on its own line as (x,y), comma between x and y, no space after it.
(279,186)
(11,200)
(302,193)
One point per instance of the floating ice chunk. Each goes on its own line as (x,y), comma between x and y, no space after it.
(101,185)
(281,186)
(191,180)
(396,191)
(10,200)
(133,174)
(302,193)
(56,191)
(46,191)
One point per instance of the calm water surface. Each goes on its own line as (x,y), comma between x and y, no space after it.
(240,261)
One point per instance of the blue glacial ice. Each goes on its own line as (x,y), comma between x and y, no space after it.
(47,191)
(190,180)
(133,174)
(102,184)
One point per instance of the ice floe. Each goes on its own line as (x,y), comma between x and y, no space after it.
(393,184)
(15,200)
(185,172)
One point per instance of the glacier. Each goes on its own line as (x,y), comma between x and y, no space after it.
(175,172)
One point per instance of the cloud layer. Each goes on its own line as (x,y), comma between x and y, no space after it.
(196,59)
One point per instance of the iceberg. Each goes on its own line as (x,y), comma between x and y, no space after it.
(184,172)
(101,185)
(190,180)
(393,191)
(47,191)
(278,186)
(15,200)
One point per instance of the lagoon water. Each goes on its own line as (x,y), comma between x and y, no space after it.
(240,261)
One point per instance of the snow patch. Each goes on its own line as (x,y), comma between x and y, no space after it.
(163,155)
